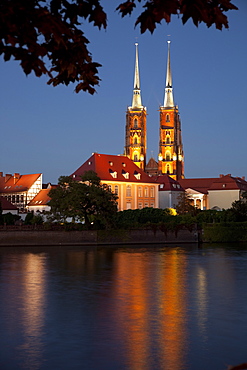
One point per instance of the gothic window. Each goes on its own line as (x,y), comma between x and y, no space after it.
(168,157)
(168,140)
(135,123)
(135,158)
(167,118)
(135,140)
(128,191)
(168,169)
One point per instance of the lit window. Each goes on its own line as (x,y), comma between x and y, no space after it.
(152,192)
(146,204)
(125,174)
(145,192)
(128,205)
(140,205)
(128,191)
(137,175)
(116,189)
(139,191)
(109,187)
(113,173)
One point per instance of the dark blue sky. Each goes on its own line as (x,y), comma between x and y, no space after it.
(54,130)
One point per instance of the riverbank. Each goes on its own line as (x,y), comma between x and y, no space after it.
(95,237)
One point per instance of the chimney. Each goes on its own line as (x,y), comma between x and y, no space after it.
(16,177)
(7,176)
(221,175)
(1,174)
(243,177)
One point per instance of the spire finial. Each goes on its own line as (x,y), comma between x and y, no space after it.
(168,100)
(136,100)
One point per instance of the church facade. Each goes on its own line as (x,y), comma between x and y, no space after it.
(171,157)
(136,133)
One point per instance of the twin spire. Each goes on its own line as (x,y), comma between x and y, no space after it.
(137,100)
(168,99)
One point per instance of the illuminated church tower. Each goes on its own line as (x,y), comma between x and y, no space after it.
(135,137)
(171,158)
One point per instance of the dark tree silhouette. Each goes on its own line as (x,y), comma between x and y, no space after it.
(46,35)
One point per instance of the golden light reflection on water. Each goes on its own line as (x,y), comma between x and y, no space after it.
(33,307)
(144,297)
(202,302)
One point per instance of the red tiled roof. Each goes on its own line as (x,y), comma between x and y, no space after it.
(113,168)
(152,164)
(201,185)
(42,198)
(17,184)
(6,205)
(168,183)
(229,183)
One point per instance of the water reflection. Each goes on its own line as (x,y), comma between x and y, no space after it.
(33,307)
(123,308)
(24,306)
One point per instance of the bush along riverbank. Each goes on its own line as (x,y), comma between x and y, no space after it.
(225,232)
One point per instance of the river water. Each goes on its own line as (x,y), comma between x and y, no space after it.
(169,308)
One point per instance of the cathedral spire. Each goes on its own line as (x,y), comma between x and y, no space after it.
(168,100)
(136,100)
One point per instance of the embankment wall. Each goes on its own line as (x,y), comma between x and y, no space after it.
(87,237)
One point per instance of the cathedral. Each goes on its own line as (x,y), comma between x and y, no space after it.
(170,158)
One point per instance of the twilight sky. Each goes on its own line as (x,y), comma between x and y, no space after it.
(53,130)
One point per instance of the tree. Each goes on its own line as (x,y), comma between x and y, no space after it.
(184,205)
(46,36)
(238,211)
(88,201)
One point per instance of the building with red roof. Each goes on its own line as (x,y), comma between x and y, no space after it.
(169,190)
(7,206)
(134,188)
(20,189)
(40,202)
(214,193)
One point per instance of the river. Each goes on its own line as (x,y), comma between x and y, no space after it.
(134,308)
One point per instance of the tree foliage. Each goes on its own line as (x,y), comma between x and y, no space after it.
(184,205)
(46,35)
(136,217)
(88,201)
